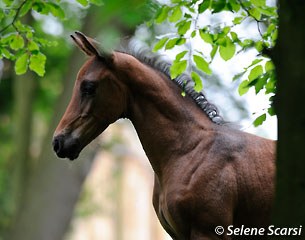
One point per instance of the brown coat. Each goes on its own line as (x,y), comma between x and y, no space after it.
(206,174)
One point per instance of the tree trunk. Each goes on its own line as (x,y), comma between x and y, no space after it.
(24,90)
(289,58)
(54,186)
(23,94)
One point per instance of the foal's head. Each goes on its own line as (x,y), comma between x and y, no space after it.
(98,100)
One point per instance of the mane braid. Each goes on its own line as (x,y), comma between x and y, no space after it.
(184,81)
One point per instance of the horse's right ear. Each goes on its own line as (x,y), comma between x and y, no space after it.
(89,46)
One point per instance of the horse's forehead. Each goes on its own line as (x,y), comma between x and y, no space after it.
(90,70)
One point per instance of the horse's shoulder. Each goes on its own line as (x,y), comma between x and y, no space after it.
(228,144)
(236,143)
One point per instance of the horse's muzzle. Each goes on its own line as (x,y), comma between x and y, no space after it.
(66,146)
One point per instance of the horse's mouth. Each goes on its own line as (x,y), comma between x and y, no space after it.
(70,155)
(66,147)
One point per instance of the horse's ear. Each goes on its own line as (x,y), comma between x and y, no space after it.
(89,46)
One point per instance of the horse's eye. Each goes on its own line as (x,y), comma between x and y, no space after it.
(88,88)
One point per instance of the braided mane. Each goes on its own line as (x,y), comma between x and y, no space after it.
(184,81)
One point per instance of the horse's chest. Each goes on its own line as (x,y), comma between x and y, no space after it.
(164,210)
(169,213)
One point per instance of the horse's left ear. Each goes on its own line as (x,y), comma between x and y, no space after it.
(89,46)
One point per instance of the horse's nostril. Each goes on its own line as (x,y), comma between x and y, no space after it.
(66,146)
(56,145)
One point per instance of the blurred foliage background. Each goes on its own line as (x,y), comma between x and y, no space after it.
(29,101)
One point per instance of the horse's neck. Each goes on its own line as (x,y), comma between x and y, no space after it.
(168,125)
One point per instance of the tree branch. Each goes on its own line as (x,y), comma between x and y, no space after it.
(15,17)
(190,54)
(249,14)
(247,11)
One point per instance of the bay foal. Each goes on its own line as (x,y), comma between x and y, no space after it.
(206,173)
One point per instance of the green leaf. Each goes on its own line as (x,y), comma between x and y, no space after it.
(41,7)
(162,14)
(271,111)
(243,88)
(178,68)
(270,29)
(25,8)
(214,51)
(221,40)
(246,43)
(1,15)
(33,46)
(17,42)
(8,2)
(259,46)
(254,62)
(56,10)
(7,39)
(238,20)
(246,4)
(176,14)
(255,73)
(180,56)
(23,27)
(255,13)
(227,51)
(160,44)
(208,38)
(193,34)
(204,5)
(235,5)
(234,37)
(21,65)
(97,2)
(269,11)
(183,28)
(5,53)
(218,5)
(238,76)
(259,120)
(83,2)
(261,82)
(45,42)
(37,63)
(180,41)
(274,35)
(202,64)
(258,3)
(197,80)
(171,43)
(226,30)
(189,16)
(270,86)
(269,66)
